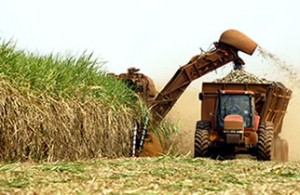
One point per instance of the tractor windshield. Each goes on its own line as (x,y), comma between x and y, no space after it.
(235,104)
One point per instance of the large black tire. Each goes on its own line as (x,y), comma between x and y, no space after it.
(202,139)
(265,141)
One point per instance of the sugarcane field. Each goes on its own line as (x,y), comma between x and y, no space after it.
(129,106)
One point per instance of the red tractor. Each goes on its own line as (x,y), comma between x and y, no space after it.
(242,118)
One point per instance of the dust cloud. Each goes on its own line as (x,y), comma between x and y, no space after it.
(186,111)
(291,127)
(185,114)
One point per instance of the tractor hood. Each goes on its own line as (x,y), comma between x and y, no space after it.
(233,122)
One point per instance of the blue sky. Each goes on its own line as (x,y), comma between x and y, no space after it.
(157,36)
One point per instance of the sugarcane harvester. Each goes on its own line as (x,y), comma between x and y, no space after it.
(225,51)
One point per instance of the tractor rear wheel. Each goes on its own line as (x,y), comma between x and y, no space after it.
(265,141)
(202,140)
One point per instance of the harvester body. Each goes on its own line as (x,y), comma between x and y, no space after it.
(139,82)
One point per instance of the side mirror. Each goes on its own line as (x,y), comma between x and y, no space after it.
(201,96)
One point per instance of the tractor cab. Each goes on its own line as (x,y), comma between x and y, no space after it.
(235,105)
(235,114)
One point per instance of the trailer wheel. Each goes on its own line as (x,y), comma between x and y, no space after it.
(285,150)
(281,150)
(265,141)
(202,139)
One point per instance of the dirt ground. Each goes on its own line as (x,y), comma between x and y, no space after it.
(160,175)
(187,111)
